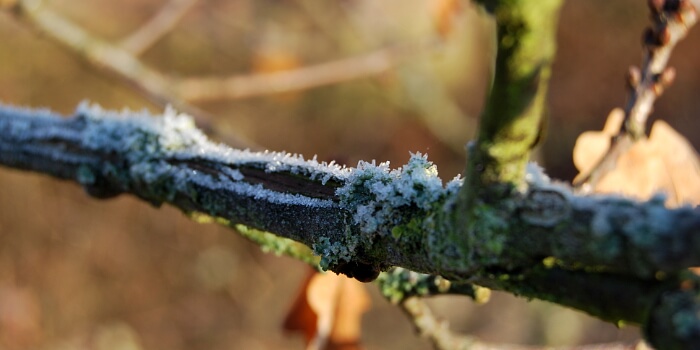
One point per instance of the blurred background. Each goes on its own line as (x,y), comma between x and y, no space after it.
(78,273)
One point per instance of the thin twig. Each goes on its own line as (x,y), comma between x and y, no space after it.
(399,284)
(164,90)
(438,332)
(245,86)
(159,25)
(442,338)
(671,21)
(115,60)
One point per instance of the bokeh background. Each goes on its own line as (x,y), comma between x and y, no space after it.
(78,273)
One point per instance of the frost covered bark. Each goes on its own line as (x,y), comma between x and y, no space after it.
(363,220)
(506,226)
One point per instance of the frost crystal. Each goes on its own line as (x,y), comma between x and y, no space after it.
(177,132)
(534,175)
(145,139)
(375,194)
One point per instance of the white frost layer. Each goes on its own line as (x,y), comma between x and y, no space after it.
(178,137)
(142,137)
(375,192)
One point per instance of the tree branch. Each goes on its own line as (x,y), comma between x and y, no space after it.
(507,228)
(514,113)
(671,20)
(159,25)
(427,325)
(162,89)
(328,73)
(112,59)
(366,219)
(399,284)
(439,334)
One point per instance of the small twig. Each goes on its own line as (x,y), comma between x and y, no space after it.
(115,60)
(399,284)
(671,20)
(162,90)
(159,25)
(439,334)
(406,289)
(245,86)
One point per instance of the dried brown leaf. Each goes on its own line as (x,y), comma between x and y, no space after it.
(665,162)
(444,12)
(328,311)
(591,145)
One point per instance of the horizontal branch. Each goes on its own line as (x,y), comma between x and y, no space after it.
(242,86)
(390,213)
(544,243)
(168,160)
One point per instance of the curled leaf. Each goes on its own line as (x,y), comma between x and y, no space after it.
(663,163)
(328,311)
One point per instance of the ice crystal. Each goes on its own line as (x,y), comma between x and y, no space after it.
(143,138)
(375,193)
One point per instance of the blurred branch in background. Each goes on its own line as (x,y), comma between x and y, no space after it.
(328,73)
(671,21)
(158,26)
(114,59)
(408,290)
(122,60)
(420,91)
(439,334)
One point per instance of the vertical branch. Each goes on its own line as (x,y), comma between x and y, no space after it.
(510,127)
(671,21)
(511,122)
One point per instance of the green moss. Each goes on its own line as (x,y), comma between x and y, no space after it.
(476,241)
(414,228)
(202,218)
(479,228)
(396,232)
(388,208)
(549,262)
(279,245)
(398,284)
(85,176)
(514,114)
(268,242)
